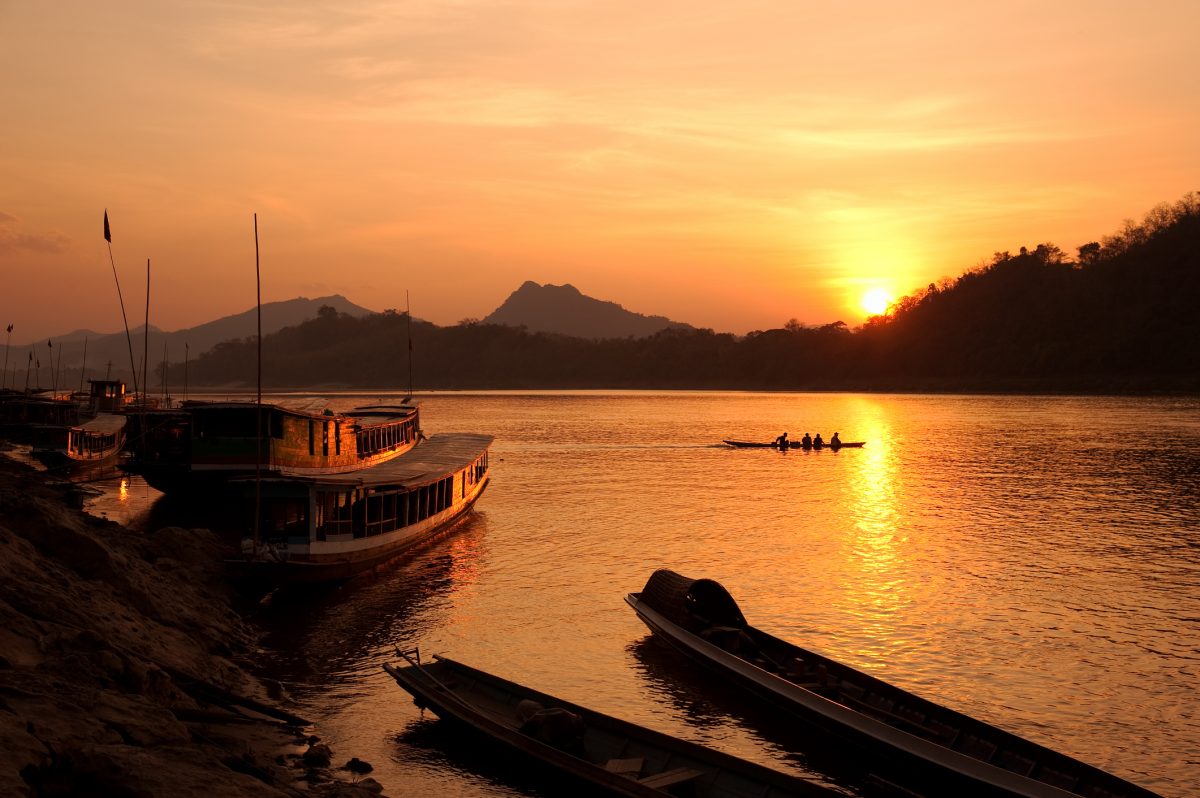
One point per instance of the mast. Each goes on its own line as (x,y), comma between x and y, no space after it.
(408,314)
(83,368)
(186,352)
(258,401)
(164,373)
(146,341)
(7,342)
(128,337)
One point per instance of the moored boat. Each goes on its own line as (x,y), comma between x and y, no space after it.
(92,442)
(596,749)
(795,445)
(934,747)
(202,445)
(331,527)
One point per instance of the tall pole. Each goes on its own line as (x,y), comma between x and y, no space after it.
(83,368)
(146,341)
(128,337)
(186,352)
(164,373)
(53,371)
(7,342)
(258,402)
(28,369)
(408,315)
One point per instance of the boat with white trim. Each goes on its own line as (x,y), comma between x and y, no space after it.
(331,527)
(933,747)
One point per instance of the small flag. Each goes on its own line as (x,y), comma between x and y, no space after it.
(31,357)
(107,232)
(10,328)
(49,344)
(38,363)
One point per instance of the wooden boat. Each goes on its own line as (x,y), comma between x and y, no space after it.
(601,751)
(202,445)
(97,434)
(331,527)
(97,440)
(937,747)
(795,445)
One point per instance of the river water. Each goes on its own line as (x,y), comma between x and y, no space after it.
(1032,561)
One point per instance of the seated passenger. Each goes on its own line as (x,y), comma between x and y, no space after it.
(817,440)
(806,441)
(835,440)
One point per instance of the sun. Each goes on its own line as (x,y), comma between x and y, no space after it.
(876,301)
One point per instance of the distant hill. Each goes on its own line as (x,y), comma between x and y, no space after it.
(564,310)
(103,347)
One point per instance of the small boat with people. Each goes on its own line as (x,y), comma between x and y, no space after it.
(597,750)
(932,747)
(332,527)
(790,444)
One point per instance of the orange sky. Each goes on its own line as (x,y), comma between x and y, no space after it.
(728,164)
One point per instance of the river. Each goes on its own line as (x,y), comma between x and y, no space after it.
(1032,561)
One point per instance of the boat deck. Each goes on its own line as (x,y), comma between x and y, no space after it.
(430,460)
(104,423)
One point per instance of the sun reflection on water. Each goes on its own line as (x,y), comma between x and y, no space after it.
(123,491)
(875,586)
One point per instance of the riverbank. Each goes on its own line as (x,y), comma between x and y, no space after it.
(125,670)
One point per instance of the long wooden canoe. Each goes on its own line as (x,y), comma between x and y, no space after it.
(601,751)
(794,445)
(929,746)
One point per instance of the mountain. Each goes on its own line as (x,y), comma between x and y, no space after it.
(563,309)
(105,347)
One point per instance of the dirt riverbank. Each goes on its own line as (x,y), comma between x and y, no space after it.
(125,671)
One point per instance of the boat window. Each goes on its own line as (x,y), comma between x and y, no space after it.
(325,438)
(337,437)
(312,435)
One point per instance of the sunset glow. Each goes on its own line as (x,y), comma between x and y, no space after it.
(876,302)
(730,169)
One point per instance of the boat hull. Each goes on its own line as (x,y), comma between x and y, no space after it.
(487,705)
(795,445)
(927,765)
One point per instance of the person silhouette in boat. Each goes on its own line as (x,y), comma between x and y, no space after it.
(817,442)
(782,441)
(835,441)
(806,441)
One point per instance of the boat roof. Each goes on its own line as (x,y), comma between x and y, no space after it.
(310,406)
(430,460)
(104,422)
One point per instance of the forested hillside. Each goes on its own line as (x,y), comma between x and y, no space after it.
(1121,315)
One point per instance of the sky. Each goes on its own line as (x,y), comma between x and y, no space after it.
(732,165)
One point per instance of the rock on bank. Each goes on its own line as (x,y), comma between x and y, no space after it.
(119,662)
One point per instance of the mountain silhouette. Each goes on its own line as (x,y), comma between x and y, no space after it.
(105,347)
(564,310)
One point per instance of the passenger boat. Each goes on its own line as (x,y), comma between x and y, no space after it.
(939,748)
(97,434)
(598,750)
(202,445)
(331,527)
(795,445)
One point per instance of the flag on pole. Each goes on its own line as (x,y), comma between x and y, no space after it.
(49,344)
(107,232)
(10,328)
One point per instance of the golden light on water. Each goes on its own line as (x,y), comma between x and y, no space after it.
(123,491)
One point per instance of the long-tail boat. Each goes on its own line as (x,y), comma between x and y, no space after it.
(931,746)
(597,750)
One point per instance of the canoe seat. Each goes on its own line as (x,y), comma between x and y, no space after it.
(668,778)
(625,767)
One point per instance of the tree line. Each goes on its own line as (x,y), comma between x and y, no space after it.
(1120,315)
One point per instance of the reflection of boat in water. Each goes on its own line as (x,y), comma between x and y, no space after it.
(795,445)
(333,526)
(929,744)
(618,757)
(201,445)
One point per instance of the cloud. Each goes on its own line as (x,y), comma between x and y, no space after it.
(12,239)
